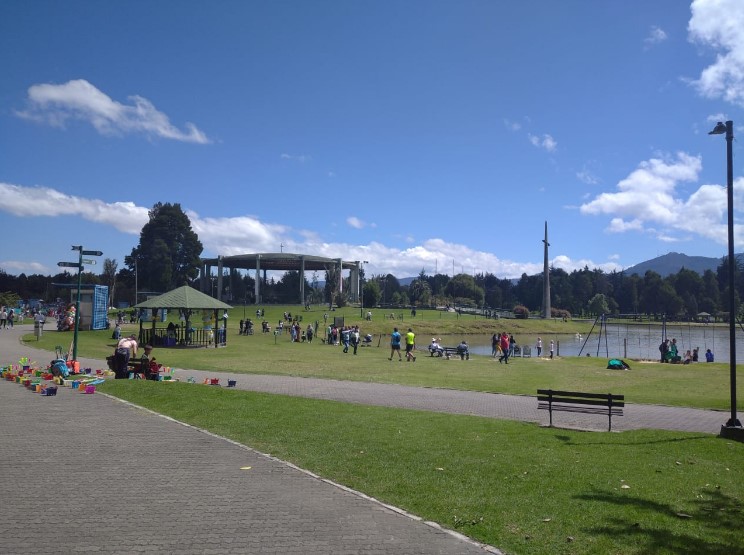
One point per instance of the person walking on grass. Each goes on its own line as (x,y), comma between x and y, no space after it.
(345,338)
(410,345)
(504,344)
(395,344)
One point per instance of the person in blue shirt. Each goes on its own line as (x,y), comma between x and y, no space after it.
(708,356)
(345,337)
(395,344)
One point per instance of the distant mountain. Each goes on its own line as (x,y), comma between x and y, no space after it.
(673,262)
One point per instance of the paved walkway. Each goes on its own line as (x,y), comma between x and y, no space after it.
(91,473)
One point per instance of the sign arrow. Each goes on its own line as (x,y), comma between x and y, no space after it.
(91,253)
(88,261)
(68,264)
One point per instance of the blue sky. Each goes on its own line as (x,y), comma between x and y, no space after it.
(414,135)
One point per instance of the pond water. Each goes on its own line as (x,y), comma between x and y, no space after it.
(622,341)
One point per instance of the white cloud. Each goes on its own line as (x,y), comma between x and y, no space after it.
(718,25)
(648,201)
(242,234)
(43,201)
(300,158)
(655,36)
(355,222)
(79,100)
(512,125)
(647,193)
(546,141)
(587,177)
(21,267)
(618,225)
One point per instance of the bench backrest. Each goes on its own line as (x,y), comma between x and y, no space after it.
(579,398)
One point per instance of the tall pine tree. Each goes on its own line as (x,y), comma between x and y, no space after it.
(168,252)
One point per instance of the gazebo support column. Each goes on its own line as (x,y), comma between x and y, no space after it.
(257,282)
(302,280)
(219,278)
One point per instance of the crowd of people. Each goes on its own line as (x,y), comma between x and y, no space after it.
(7,317)
(669,353)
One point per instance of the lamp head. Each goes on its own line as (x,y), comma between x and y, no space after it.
(719,129)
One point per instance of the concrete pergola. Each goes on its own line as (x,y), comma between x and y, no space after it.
(279,261)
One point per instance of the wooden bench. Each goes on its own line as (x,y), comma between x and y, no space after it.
(587,403)
(450,352)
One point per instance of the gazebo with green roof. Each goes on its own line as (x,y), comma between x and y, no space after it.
(185,299)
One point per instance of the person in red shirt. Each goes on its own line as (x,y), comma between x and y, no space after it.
(504,343)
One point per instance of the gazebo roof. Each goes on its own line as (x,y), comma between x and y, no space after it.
(184,297)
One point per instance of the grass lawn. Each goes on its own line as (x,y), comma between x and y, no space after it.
(519,487)
(696,385)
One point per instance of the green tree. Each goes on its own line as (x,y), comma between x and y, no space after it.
(529,291)
(438,283)
(9,298)
(288,288)
(419,292)
(464,286)
(598,305)
(650,295)
(168,252)
(389,285)
(494,296)
(669,302)
(711,295)
(560,289)
(626,294)
(332,274)
(372,294)
(109,278)
(583,289)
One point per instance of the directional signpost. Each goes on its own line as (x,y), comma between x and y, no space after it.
(79,266)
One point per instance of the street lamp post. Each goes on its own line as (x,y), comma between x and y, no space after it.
(733,427)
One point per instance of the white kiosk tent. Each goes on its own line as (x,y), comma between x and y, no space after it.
(277,261)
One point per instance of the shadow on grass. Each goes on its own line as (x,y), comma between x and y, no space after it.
(716,518)
(570,441)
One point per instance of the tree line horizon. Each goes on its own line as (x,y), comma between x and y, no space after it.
(168,256)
